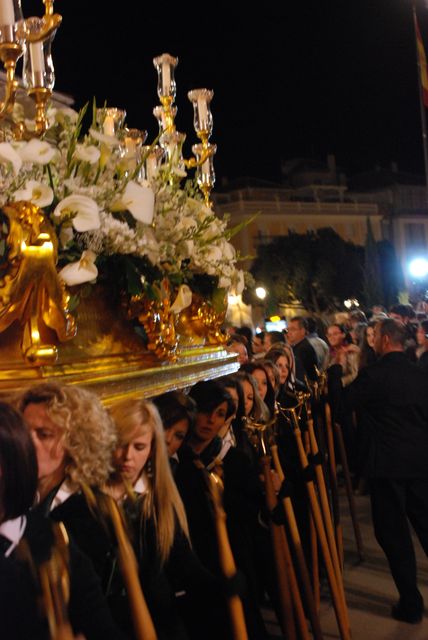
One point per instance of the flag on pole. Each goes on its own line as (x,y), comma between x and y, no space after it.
(422,65)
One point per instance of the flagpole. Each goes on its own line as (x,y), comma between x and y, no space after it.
(421,103)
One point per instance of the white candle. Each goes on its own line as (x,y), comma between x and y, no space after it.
(36,57)
(202,112)
(108,126)
(131,147)
(7,13)
(166,78)
(151,166)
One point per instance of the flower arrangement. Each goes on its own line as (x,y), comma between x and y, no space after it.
(114,225)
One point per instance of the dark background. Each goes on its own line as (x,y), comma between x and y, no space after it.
(291,79)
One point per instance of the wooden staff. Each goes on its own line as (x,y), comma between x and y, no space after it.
(338,602)
(227,561)
(349,491)
(143,624)
(297,545)
(55,585)
(313,539)
(333,482)
(325,509)
(286,575)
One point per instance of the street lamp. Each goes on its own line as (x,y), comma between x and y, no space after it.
(261,293)
(418,268)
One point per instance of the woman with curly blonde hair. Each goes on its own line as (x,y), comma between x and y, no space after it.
(74,438)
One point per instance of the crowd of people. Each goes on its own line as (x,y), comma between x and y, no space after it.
(69,466)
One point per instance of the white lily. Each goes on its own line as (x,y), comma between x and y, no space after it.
(36,192)
(9,155)
(84,270)
(183,299)
(110,141)
(85,210)
(37,151)
(213,254)
(89,153)
(66,113)
(138,200)
(65,236)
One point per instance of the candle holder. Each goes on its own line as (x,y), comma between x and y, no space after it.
(205,175)
(131,148)
(171,140)
(165,66)
(152,157)
(12,44)
(110,120)
(33,37)
(165,122)
(39,75)
(202,116)
(204,152)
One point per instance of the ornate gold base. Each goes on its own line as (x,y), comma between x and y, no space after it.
(109,358)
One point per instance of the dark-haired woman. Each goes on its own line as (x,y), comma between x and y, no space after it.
(264,386)
(19,590)
(241,498)
(177,412)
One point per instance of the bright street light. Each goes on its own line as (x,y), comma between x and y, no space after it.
(418,267)
(261,293)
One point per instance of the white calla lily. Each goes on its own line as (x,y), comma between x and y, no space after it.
(89,153)
(9,155)
(183,299)
(66,113)
(85,211)
(37,151)
(84,270)
(138,200)
(35,192)
(65,236)
(110,141)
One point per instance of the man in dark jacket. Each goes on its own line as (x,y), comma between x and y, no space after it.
(303,350)
(392,397)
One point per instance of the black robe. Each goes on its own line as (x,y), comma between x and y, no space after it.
(87,609)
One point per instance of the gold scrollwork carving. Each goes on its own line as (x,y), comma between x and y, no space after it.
(30,291)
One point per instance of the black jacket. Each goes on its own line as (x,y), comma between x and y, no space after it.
(88,610)
(392,396)
(305,355)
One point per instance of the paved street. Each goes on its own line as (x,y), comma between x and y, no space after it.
(370,591)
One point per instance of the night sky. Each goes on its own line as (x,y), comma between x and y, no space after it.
(291,79)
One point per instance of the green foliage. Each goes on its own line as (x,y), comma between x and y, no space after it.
(372,289)
(317,268)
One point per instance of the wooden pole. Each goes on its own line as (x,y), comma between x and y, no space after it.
(326,514)
(338,603)
(333,482)
(143,624)
(227,561)
(285,599)
(349,491)
(298,550)
(313,538)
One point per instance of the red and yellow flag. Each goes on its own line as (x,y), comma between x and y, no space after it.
(422,65)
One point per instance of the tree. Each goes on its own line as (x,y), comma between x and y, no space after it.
(391,273)
(318,268)
(372,280)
